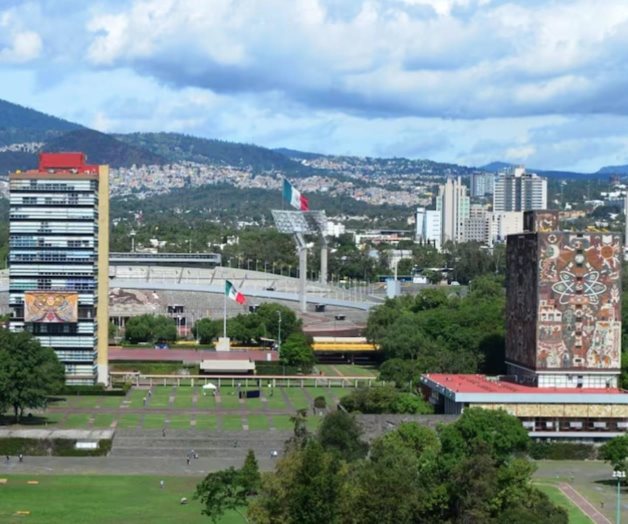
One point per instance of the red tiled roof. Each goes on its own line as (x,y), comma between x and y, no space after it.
(484,384)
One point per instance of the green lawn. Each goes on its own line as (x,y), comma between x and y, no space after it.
(110,402)
(178,421)
(205,422)
(297,398)
(232,423)
(274,399)
(258,422)
(128,421)
(228,398)
(76,420)
(353,370)
(103,420)
(153,421)
(556,496)
(58,499)
(282,422)
(327,370)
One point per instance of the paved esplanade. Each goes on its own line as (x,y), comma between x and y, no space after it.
(168,466)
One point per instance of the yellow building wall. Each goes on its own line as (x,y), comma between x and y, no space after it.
(102,312)
(561,410)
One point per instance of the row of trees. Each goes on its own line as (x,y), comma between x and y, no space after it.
(29,373)
(247,329)
(438,331)
(471,471)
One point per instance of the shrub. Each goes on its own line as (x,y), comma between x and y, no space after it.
(561,451)
(320,402)
(384,400)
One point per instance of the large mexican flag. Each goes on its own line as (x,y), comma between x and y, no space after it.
(294,197)
(232,293)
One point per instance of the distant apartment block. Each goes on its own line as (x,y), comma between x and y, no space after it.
(517,190)
(478,226)
(428,227)
(482,184)
(59,261)
(489,227)
(453,203)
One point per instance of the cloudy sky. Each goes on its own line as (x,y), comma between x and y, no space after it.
(543,83)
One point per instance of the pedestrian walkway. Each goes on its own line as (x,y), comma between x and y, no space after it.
(585,506)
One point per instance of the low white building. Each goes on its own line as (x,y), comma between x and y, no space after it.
(428,226)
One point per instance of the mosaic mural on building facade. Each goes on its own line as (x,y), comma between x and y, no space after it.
(579,301)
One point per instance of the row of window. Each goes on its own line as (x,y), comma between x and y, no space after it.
(54,186)
(73,199)
(17,241)
(43,228)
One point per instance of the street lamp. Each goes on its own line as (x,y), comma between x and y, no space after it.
(132,235)
(279,332)
(619,475)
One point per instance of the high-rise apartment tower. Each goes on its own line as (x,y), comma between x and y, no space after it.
(453,203)
(517,190)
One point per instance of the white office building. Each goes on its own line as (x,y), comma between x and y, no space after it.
(428,227)
(516,190)
(453,203)
(505,223)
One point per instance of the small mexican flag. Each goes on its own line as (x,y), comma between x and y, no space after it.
(232,293)
(294,197)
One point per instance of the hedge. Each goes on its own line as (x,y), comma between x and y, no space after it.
(561,451)
(60,447)
(97,390)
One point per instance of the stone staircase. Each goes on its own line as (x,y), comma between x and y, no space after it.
(208,444)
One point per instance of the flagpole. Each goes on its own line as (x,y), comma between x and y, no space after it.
(224,312)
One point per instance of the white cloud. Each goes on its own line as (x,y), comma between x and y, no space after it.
(24,46)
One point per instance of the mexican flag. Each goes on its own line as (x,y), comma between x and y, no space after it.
(232,293)
(296,199)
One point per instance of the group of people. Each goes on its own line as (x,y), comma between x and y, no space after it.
(20,458)
(191,455)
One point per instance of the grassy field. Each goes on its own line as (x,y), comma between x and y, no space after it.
(556,496)
(182,408)
(58,499)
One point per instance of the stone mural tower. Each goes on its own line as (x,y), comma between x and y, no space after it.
(563,305)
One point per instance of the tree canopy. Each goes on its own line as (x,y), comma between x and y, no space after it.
(29,373)
(412,474)
(150,328)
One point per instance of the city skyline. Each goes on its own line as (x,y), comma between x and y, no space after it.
(447,80)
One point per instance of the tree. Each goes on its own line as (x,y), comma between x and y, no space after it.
(296,351)
(421,440)
(150,328)
(250,476)
(29,373)
(341,433)
(372,492)
(305,488)
(206,330)
(384,399)
(615,452)
(500,432)
(220,492)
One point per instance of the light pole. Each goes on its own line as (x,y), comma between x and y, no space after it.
(132,234)
(619,475)
(279,332)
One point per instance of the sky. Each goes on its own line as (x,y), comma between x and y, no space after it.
(541,83)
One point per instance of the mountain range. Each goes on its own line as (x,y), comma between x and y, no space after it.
(24,131)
